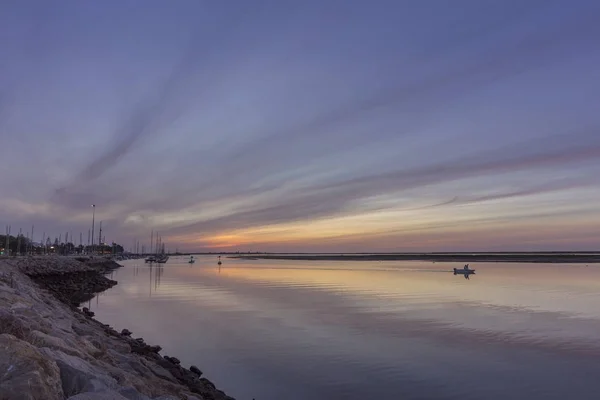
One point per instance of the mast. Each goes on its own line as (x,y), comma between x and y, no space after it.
(100,248)
(93,218)
(8,240)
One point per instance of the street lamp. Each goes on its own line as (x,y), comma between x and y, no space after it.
(93,218)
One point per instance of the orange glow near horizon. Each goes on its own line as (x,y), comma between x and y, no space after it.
(460,226)
(413,223)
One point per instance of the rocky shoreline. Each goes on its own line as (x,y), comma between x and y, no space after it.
(52,350)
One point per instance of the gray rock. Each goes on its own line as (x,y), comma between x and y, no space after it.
(173,360)
(196,370)
(166,397)
(193,397)
(91,346)
(78,376)
(118,357)
(40,339)
(105,395)
(75,381)
(132,394)
(159,371)
(13,325)
(83,329)
(119,345)
(136,365)
(26,373)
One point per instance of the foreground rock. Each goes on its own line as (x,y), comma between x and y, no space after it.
(26,372)
(49,349)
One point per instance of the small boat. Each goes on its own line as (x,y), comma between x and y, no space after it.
(464,271)
(219,263)
(191,261)
(163,259)
(151,259)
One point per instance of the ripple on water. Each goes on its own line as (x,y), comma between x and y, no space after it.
(390,330)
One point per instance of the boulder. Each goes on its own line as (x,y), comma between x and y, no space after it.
(119,345)
(40,339)
(208,383)
(79,376)
(196,370)
(155,349)
(83,329)
(26,373)
(104,395)
(159,371)
(135,365)
(172,360)
(13,325)
(86,311)
(188,396)
(92,346)
(132,394)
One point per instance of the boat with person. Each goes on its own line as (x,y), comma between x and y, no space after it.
(192,260)
(464,271)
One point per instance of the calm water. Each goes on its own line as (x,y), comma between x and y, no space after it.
(356,330)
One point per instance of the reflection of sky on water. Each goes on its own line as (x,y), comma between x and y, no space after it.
(397,328)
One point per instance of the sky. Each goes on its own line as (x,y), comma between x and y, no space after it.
(313,126)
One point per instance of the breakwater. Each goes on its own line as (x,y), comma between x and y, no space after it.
(52,350)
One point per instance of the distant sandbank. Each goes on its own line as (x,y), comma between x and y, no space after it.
(538,257)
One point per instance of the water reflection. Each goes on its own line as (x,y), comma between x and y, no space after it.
(297,330)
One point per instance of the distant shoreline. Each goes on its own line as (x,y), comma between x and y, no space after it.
(538,257)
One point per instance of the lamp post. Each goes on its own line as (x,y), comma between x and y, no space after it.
(93,218)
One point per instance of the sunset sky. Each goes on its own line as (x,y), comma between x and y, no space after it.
(304,125)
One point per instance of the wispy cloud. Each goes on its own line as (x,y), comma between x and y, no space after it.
(272,118)
(339,197)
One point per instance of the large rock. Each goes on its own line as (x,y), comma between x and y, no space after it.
(79,376)
(132,394)
(40,339)
(159,371)
(92,346)
(25,373)
(104,395)
(13,325)
(192,397)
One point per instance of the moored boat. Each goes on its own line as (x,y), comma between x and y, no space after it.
(163,259)
(464,271)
